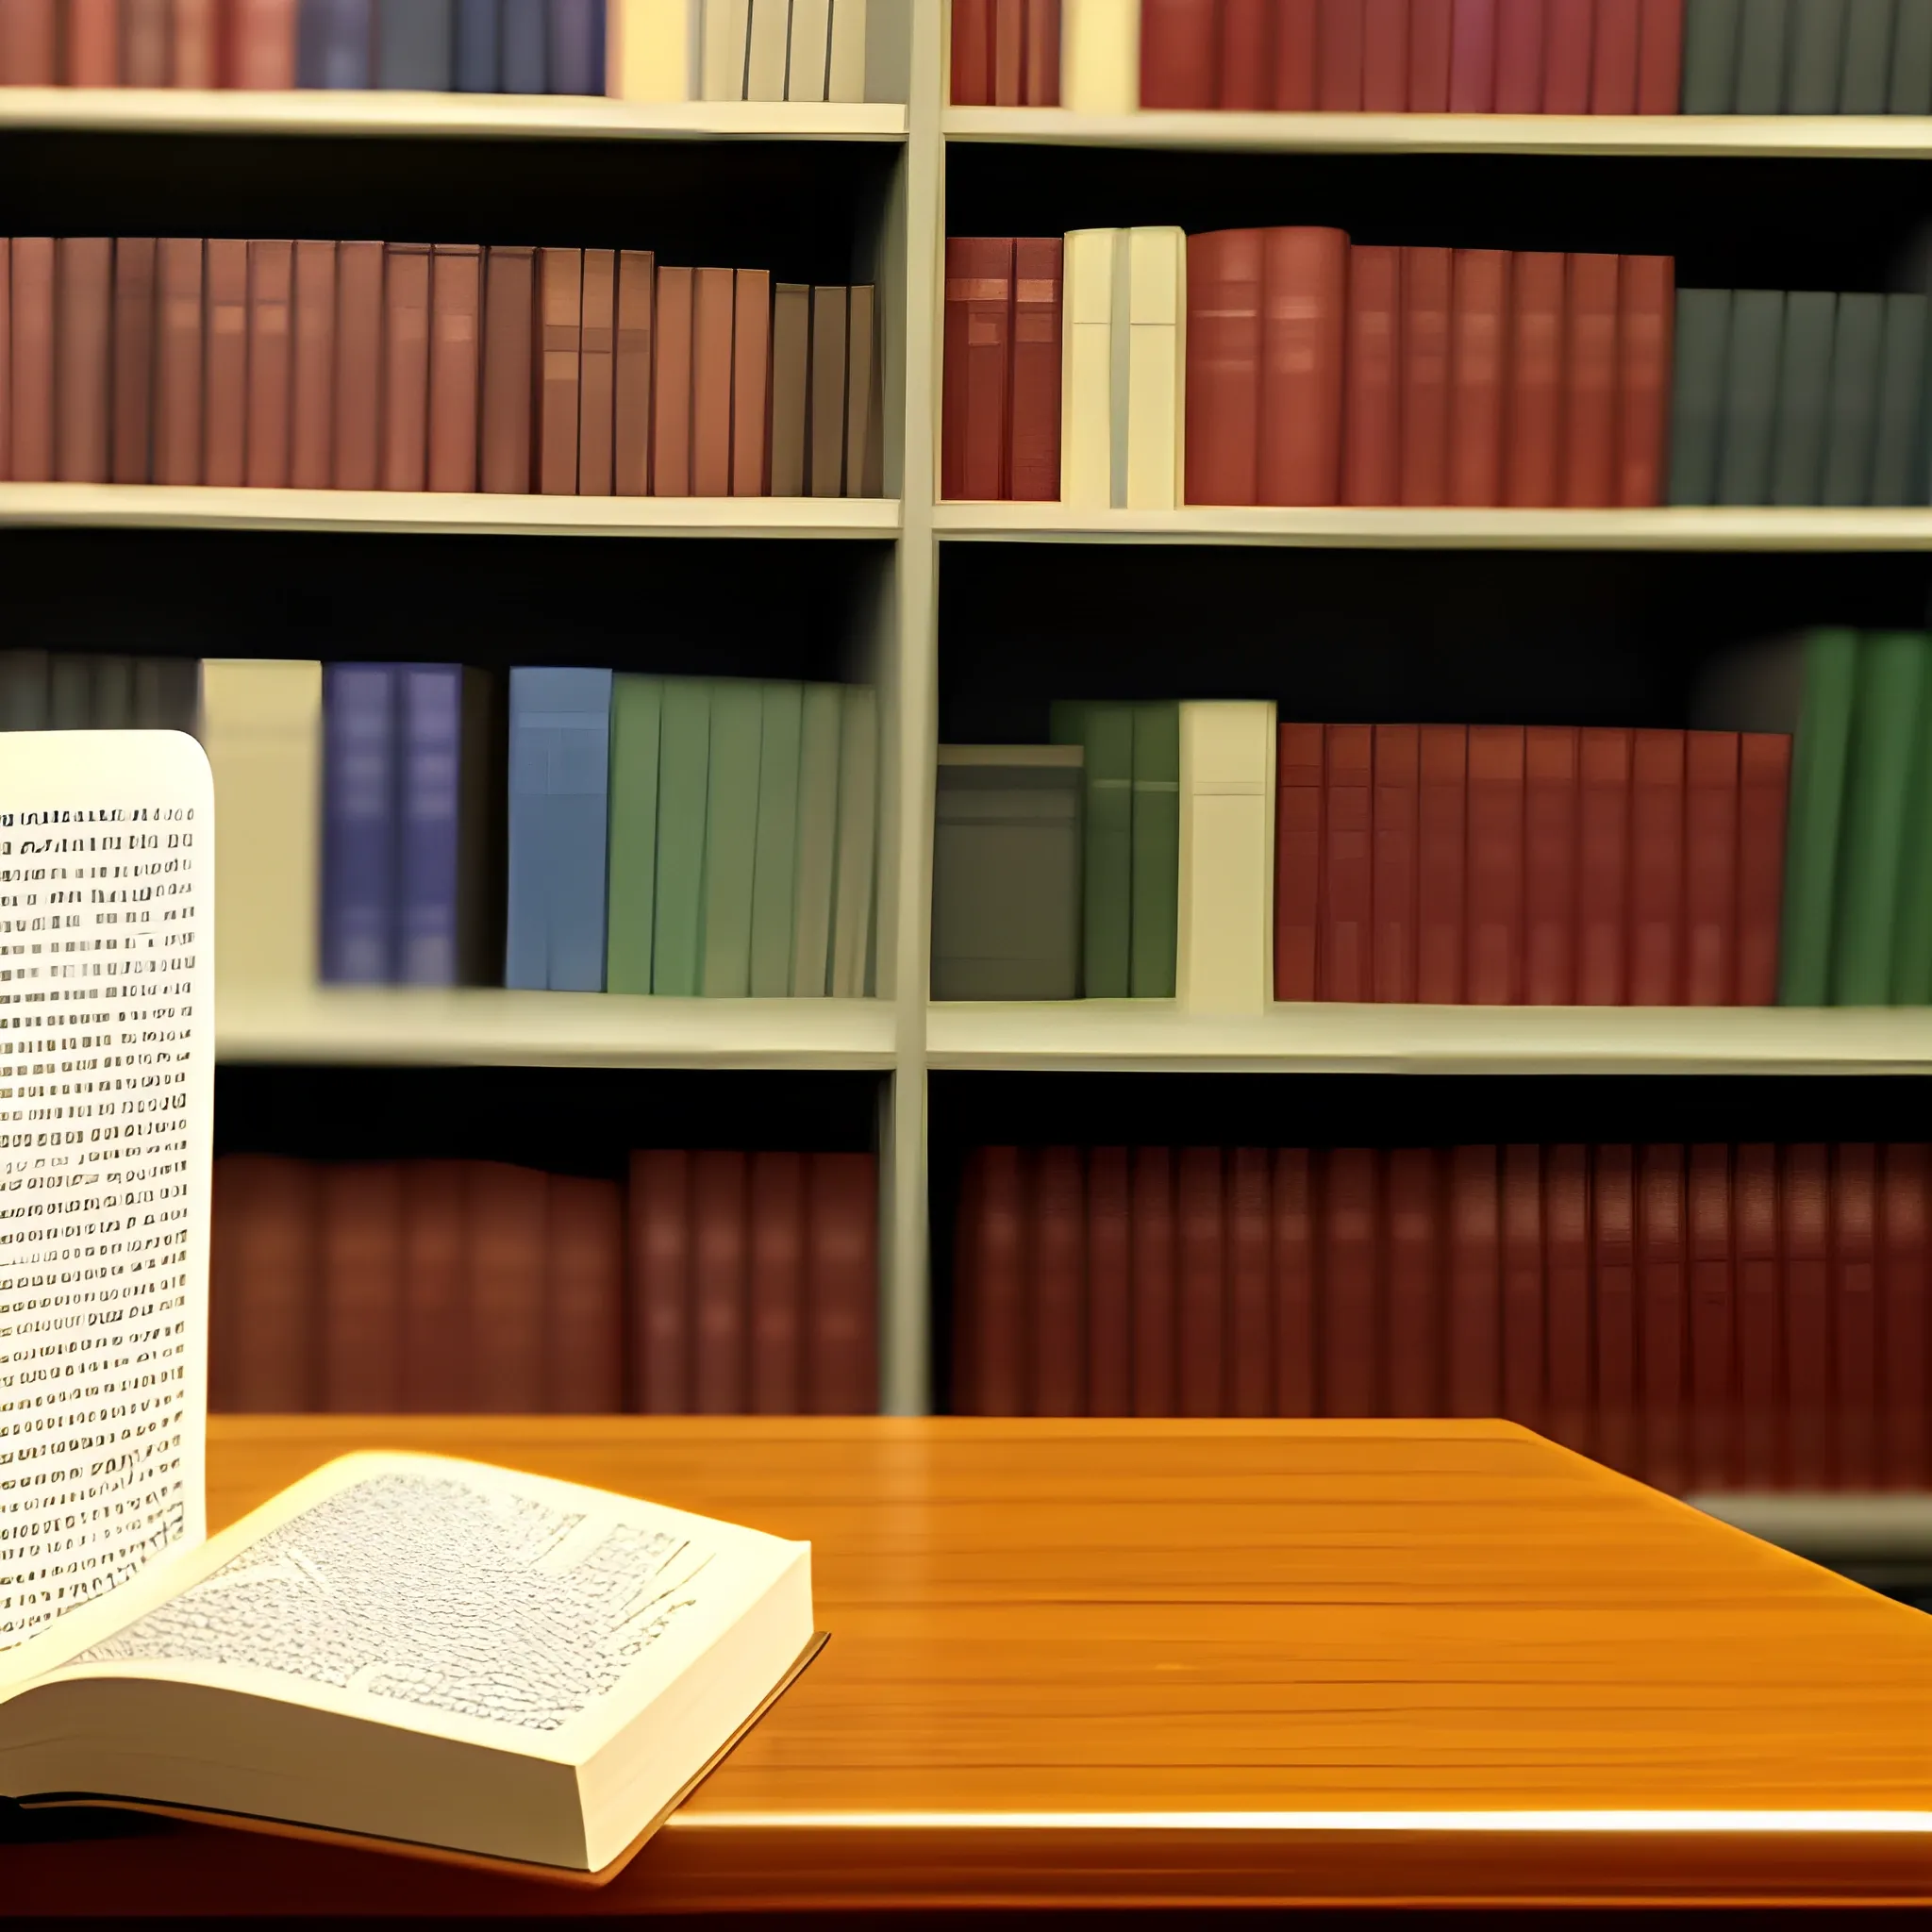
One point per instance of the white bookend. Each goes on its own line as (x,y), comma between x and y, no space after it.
(846,70)
(858,760)
(728,26)
(261,723)
(818,840)
(1227,857)
(1087,369)
(651,49)
(1156,368)
(766,46)
(1100,55)
(811,38)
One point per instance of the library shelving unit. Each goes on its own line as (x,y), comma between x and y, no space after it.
(924,576)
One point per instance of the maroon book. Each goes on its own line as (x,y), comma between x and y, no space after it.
(1372,441)
(1056,1273)
(406,366)
(1109,1313)
(1710,869)
(1647,308)
(1523,1323)
(1392,945)
(660,1226)
(1034,463)
(508,370)
(1478,374)
(1569,29)
(1589,398)
(1179,58)
(1304,345)
(1660,56)
(1153,1247)
(1441,863)
(359,364)
(1660,1314)
(271,299)
(1854,1315)
(1519,56)
(1426,284)
(1613,57)
(1249,1384)
(1345,966)
(1339,76)
(91,56)
(1298,839)
(1533,447)
(1042,87)
(1806,1202)
(1385,56)
(435,1317)
(1473,1306)
(1008,53)
(717,1280)
(978,355)
(134,359)
(1412,1253)
(508,1223)
(1902,1255)
(1246,83)
(584,1296)
(1224,393)
(360,1287)
(1764,771)
(842,1293)
(1657,869)
(224,365)
(455,319)
(1200,1300)
(1473,58)
(312,361)
(1713,1318)
(1297,54)
(1495,865)
(775,1312)
(1569,1355)
(1758,1454)
(1603,866)
(1549,866)
(1613,1220)
(1351,1326)
(1430,28)
(262,1288)
(971,53)
(1293,1241)
(83,357)
(178,273)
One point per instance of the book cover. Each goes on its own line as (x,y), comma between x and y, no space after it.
(415,44)
(1903,1186)
(1392,888)
(1338,66)
(637,706)
(177,361)
(31,359)
(477,64)
(1473,58)
(732,808)
(684,763)
(1754,356)
(1178,54)
(790,380)
(1710,55)
(1657,869)
(1896,453)
(1851,411)
(1430,38)
(820,731)
(523,47)
(1245,80)
(575,53)
(507,1318)
(405,351)
(359,859)
(1304,337)
(269,424)
(1805,1201)
(1814,55)
(1659,56)
(430,749)
(1763,39)
(1570,1351)
(1411,1242)
(1711,844)
(1519,56)
(1345,967)
(225,364)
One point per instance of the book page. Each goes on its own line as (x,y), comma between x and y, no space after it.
(105,1117)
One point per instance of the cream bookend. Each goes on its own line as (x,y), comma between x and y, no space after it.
(403,1648)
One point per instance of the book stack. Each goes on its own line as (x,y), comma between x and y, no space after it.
(1859,906)
(370,365)
(1005,56)
(65,691)
(769,50)
(1701,1317)
(716,1282)
(1799,397)
(1498,865)
(1823,58)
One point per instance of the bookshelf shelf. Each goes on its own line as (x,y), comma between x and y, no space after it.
(1153,1036)
(1876,136)
(1831,1527)
(1753,528)
(432,116)
(172,507)
(487,1027)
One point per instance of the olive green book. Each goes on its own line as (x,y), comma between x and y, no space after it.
(684,766)
(1751,362)
(1878,769)
(775,861)
(1697,392)
(1104,733)
(1804,397)
(1814,60)
(1852,414)
(1710,56)
(1864,72)
(1909,84)
(1763,35)
(1898,444)
(1157,850)
(1911,938)
(637,706)
(821,723)
(856,866)
(731,827)
(1811,845)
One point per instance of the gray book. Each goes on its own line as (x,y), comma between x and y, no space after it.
(23,691)
(1814,55)
(416,45)
(1751,360)
(113,700)
(1852,411)
(1898,442)
(1702,336)
(825,433)
(167,694)
(1764,34)
(1005,880)
(1865,71)
(1909,88)
(70,691)
(1804,388)
(1710,56)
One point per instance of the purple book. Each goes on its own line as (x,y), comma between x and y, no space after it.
(359,835)
(429,724)
(577,46)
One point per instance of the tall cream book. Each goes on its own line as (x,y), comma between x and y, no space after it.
(651,49)
(1100,55)
(404,1648)
(1227,857)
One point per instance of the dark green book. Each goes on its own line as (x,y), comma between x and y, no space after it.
(1751,361)
(1804,392)
(1814,55)
(1908,87)
(774,870)
(1710,56)
(684,764)
(1865,72)
(1105,736)
(1157,850)
(731,826)
(1763,35)
(1898,442)
(1697,392)
(1879,770)
(637,706)
(1852,411)
(1818,787)
(1911,938)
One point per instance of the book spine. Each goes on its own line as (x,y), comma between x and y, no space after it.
(775,871)
(1372,414)
(1568,31)
(1087,381)
(1153,1279)
(1385,56)
(1304,337)
(359,1283)
(637,706)
(333,42)
(1250,1317)
(1657,869)
(751,373)
(671,396)
(1613,1219)
(775,1297)
(83,357)
(1522,1289)
(6,355)
(1346,970)
(1441,863)
(1479,309)
(1034,465)
(713,294)
(1223,365)
(852,914)
(1764,769)
(1756,1457)
(1110,1327)
(1819,757)
(312,366)
(1245,80)
(1339,74)
(225,371)
(1473,1338)
(1179,58)
(1413,1257)
(583,1296)
(560,299)
(1351,1322)
(718,1281)
(1042,78)
(1427,274)
(1291,1239)
(1712,828)
(191,44)
(507,1214)
(133,361)
(1495,865)
(415,46)
(506,358)
(1660,1314)
(1700,339)
(1710,56)
(1299,838)
(32,359)
(1297,56)
(1909,86)
(1646,303)
(1891,682)
(1201,1262)
(523,47)
(429,722)
(1519,56)
(730,838)
(631,381)
(1153,913)
(820,729)
(1902,1293)
(1804,385)
(1569,1351)
(1431,39)
(842,1292)
(597,376)
(1392,945)
(659,1222)
(1748,411)
(359,364)
(1857,350)
(271,299)
(972,53)
(477,62)
(262,1287)
(809,49)
(435,1374)
(1614,58)
(1473,58)
(405,366)
(1854,1315)
(1590,424)
(1225,778)
(359,824)
(577,46)
(988,1322)
(983,325)
(1550,848)
(482,828)
(455,301)
(1603,866)
(1806,1201)
(1660,56)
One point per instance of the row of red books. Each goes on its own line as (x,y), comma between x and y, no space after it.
(1416,57)
(715,1282)
(1700,1317)
(1322,373)
(1006,52)
(366,365)
(1000,401)
(1548,865)
(200,43)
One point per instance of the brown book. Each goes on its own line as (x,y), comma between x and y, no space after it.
(1589,387)
(178,271)
(1109,1334)
(659,1271)
(865,447)
(262,1285)
(225,364)
(83,355)
(560,310)
(508,1222)
(989,1341)
(1200,1272)
(712,301)
(134,357)
(360,1281)
(192,43)
(584,1369)
(842,1291)
(1534,445)
(1304,348)
(596,375)
(1056,1285)
(91,56)
(30,43)
(508,314)
(1478,321)
(312,361)
(718,1279)
(359,364)
(405,366)
(1428,278)
(751,376)
(260,49)
(6,355)
(791,386)
(775,1301)
(630,443)
(1152,1268)
(271,297)
(31,359)
(1371,413)
(671,386)
(143,42)
(456,297)
(1292,1243)
(1033,460)
(825,427)
(435,1319)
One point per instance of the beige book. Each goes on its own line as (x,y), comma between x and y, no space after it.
(852,891)
(1100,55)
(651,49)
(845,66)
(811,42)
(1086,370)
(1157,369)
(1227,857)
(767,43)
(721,60)
(261,723)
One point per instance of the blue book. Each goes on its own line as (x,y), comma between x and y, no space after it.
(560,785)
(429,725)
(359,830)
(479,55)
(416,45)
(525,32)
(577,46)
(332,43)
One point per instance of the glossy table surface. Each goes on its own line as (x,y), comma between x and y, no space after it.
(1092,1662)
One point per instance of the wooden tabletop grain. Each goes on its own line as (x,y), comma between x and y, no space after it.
(1113,1662)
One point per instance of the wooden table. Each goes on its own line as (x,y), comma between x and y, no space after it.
(1082,1663)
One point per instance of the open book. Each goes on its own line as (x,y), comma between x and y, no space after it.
(403,1647)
